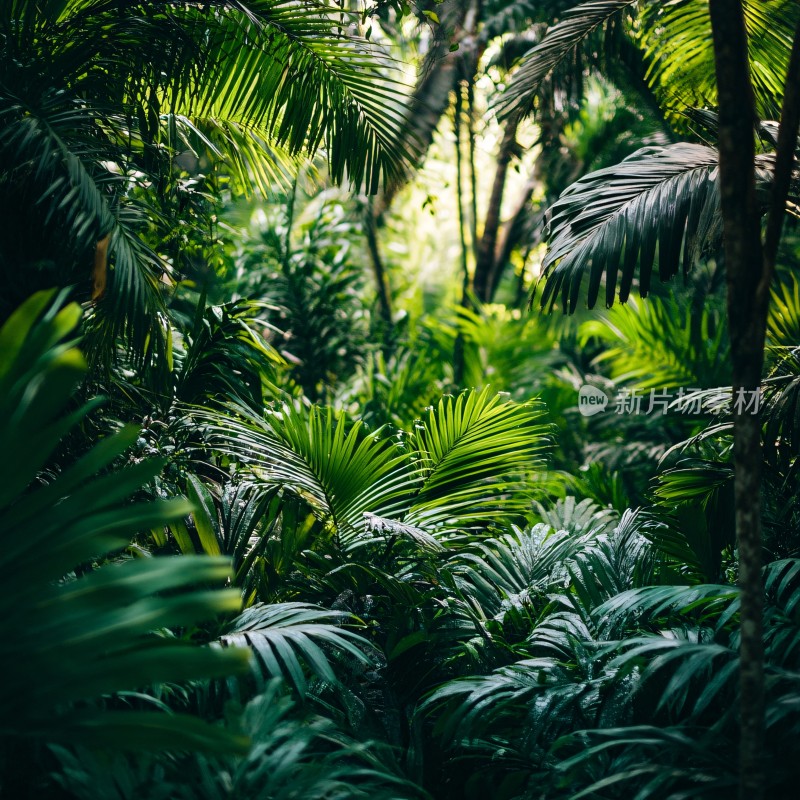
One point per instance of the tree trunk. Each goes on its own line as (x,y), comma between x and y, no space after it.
(487,246)
(458,345)
(747,322)
(750,269)
(379,270)
(509,235)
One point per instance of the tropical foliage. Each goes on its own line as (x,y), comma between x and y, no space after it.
(304,492)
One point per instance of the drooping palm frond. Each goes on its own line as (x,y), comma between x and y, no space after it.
(559,43)
(659,205)
(341,99)
(287,641)
(468,706)
(669,604)
(100,99)
(294,73)
(698,673)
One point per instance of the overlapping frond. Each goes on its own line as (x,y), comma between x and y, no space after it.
(468,451)
(620,215)
(675,38)
(662,344)
(458,468)
(99,100)
(340,469)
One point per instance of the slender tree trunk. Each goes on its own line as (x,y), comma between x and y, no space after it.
(473,176)
(382,289)
(749,274)
(487,246)
(510,233)
(548,163)
(462,217)
(458,346)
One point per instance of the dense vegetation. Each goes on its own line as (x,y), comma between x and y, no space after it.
(297,496)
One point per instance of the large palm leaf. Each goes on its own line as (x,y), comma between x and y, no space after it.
(470,452)
(560,43)
(71,633)
(287,640)
(673,37)
(341,469)
(660,205)
(458,468)
(681,66)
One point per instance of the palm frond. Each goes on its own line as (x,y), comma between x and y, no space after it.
(662,344)
(512,568)
(783,322)
(293,73)
(658,762)
(705,602)
(72,634)
(578,518)
(559,43)
(341,469)
(681,68)
(294,754)
(661,199)
(695,674)
(468,451)
(287,641)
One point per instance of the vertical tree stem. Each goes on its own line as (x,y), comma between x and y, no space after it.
(485,263)
(747,320)
(458,347)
